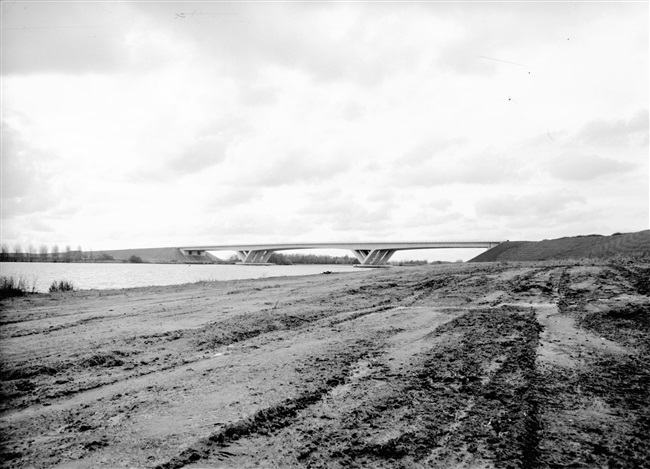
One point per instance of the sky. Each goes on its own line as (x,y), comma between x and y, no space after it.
(155,124)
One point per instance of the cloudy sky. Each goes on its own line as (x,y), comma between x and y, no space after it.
(148,124)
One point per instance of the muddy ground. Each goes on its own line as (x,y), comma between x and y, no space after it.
(505,365)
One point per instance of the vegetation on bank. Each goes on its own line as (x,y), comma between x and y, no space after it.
(290,259)
(61,286)
(43,253)
(15,286)
(11,286)
(47,254)
(299,259)
(68,256)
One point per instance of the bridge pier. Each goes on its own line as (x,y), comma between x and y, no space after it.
(373,256)
(254,257)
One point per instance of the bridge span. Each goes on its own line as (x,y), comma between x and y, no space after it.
(368,253)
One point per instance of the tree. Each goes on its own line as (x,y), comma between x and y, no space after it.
(135,259)
(55,253)
(4,252)
(67,254)
(279,259)
(43,252)
(31,252)
(18,252)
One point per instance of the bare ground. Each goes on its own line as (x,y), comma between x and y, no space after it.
(520,365)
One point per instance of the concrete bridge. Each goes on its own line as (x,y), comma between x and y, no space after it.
(368,254)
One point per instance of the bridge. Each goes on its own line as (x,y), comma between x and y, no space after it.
(368,254)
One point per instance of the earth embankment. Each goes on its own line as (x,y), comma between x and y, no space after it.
(158,256)
(478,365)
(618,245)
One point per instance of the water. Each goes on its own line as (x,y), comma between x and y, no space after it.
(107,276)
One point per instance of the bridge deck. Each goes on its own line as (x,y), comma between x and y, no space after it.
(373,245)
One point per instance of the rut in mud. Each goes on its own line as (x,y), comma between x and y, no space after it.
(597,412)
(541,365)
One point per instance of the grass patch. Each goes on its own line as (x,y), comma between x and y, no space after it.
(107,360)
(11,286)
(61,285)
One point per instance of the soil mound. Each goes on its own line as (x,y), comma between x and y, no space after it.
(158,256)
(576,247)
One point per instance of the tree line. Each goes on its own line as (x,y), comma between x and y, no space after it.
(290,259)
(44,253)
(54,254)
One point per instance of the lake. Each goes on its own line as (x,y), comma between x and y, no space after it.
(107,276)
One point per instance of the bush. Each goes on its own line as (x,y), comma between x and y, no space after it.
(11,286)
(135,259)
(61,285)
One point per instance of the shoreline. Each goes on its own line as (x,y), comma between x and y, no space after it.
(87,277)
(348,269)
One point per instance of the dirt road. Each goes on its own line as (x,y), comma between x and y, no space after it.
(462,365)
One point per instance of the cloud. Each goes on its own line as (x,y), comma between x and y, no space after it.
(275,168)
(28,177)
(334,211)
(203,153)
(493,168)
(85,38)
(77,37)
(442,204)
(245,226)
(208,150)
(616,132)
(494,38)
(584,167)
(226,196)
(36,224)
(147,122)
(329,43)
(543,205)
(431,148)
(425,219)
(443,163)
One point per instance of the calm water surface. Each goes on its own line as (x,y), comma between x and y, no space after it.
(107,276)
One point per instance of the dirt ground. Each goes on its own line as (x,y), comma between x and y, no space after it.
(492,365)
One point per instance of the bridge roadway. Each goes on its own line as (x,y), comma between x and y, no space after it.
(368,253)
